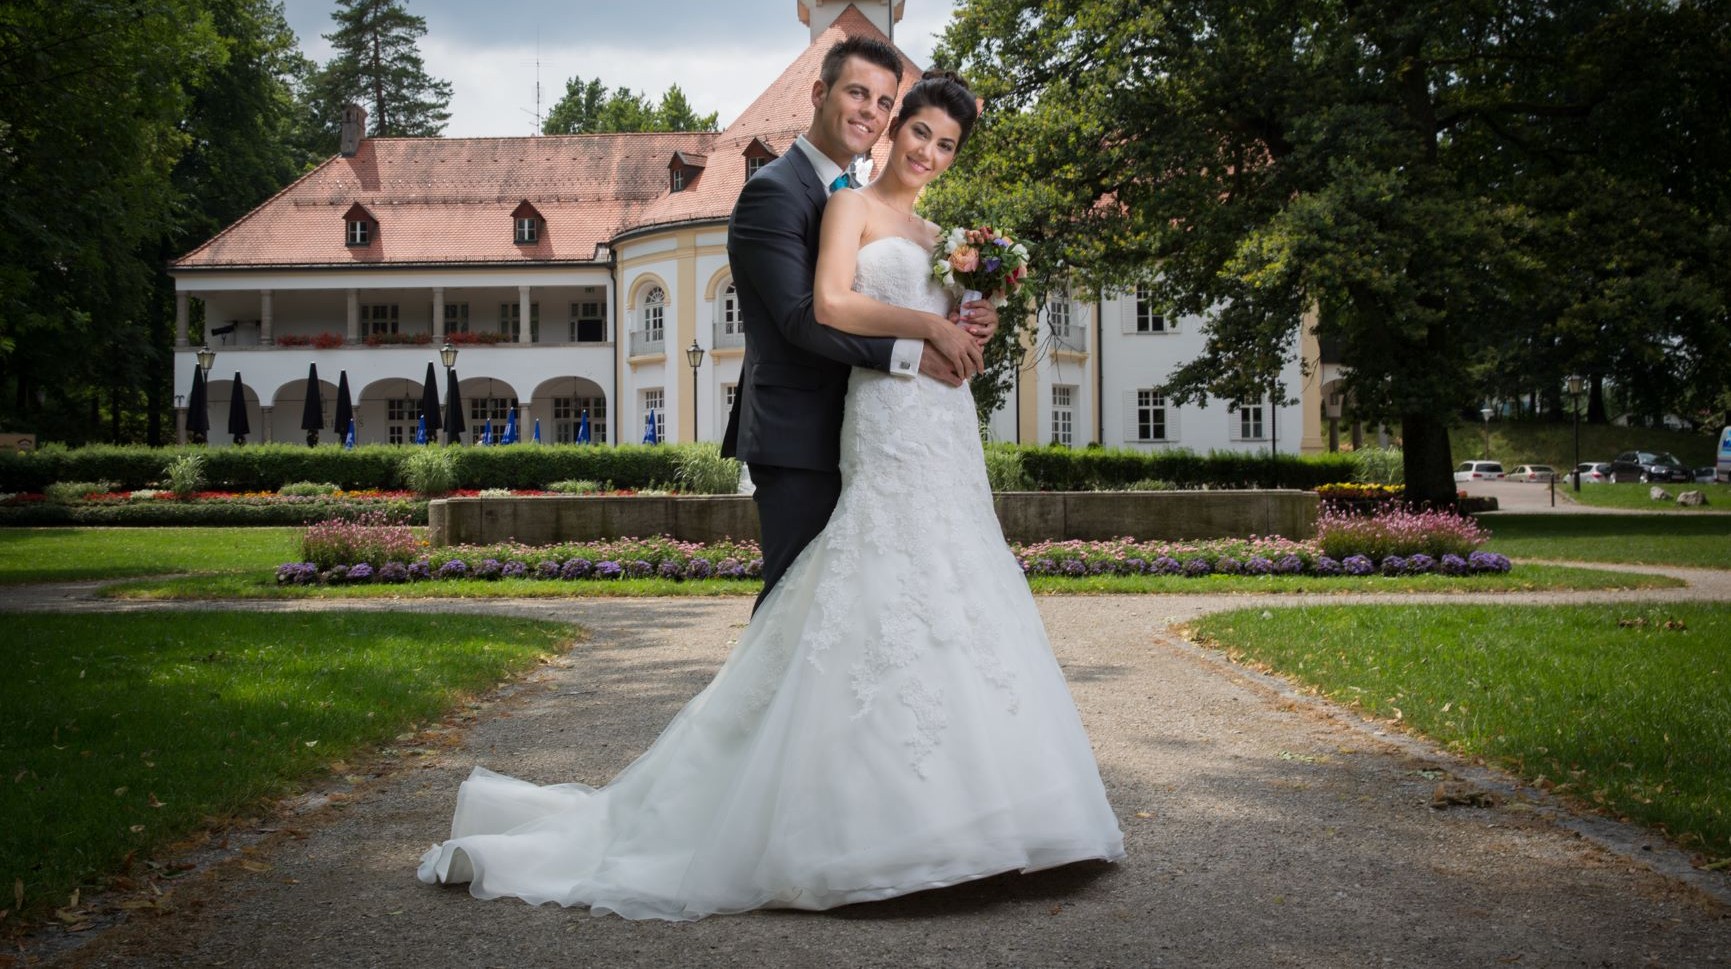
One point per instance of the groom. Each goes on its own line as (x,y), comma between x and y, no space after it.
(786,419)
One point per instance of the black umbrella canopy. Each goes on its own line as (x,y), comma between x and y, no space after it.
(198,405)
(454,423)
(430,400)
(237,422)
(313,415)
(345,411)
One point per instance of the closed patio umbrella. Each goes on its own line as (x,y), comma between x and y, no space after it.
(454,423)
(537,430)
(197,408)
(583,429)
(510,435)
(429,403)
(237,422)
(313,414)
(487,432)
(421,430)
(349,436)
(649,435)
(344,422)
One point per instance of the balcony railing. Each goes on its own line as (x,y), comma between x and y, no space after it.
(645,344)
(1072,338)
(729,335)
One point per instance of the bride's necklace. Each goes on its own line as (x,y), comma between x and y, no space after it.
(907,213)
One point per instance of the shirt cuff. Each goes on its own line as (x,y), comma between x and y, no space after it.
(905,357)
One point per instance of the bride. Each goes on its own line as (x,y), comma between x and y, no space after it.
(892,719)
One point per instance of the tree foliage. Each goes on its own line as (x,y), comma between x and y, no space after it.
(378,65)
(588,108)
(1456,187)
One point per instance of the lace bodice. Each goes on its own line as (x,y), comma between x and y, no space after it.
(898,270)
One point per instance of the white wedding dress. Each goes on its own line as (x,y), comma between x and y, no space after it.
(891,720)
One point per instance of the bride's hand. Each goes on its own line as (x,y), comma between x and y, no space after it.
(957,346)
(980,318)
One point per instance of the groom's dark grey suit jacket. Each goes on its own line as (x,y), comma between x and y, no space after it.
(788,410)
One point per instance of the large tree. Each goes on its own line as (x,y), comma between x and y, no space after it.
(378,65)
(588,108)
(1409,171)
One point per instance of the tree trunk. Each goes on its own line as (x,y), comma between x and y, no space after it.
(1426,460)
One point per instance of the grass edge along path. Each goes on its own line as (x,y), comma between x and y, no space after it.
(1524,578)
(78,554)
(1620,708)
(129,732)
(1694,542)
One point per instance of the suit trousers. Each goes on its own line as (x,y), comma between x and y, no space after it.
(793,506)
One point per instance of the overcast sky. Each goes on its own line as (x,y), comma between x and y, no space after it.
(722,54)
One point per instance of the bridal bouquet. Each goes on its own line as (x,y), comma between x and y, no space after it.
(981,261)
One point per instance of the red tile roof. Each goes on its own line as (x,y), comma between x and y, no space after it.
(450,200)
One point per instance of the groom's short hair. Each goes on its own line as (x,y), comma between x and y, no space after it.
(870,49)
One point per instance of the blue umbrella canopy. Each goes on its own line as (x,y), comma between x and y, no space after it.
(649,435)
(510,435)
(349,436)
(421,430)
(583,429)
(537,430)
(487,432)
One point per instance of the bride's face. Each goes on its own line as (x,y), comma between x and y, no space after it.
(924,146)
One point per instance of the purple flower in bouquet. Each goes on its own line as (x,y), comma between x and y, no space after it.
(1327,566)
(1452,564)
(513,570)
(1198,566)
(547,569)
(1420,564)
(1393,565)
(454,569)
(360,572)
(1357,565)
(488,569)
(393,572)
(577,568)
(1257,565)
(420,570)
(700,569)
(963,260)
(608,569)
(1288,564)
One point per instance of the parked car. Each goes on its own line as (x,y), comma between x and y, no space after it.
(1708,474)
(1592,472)
(1647,466)
(1479,471)
(1533,472)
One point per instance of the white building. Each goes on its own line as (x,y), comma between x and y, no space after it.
(612,248)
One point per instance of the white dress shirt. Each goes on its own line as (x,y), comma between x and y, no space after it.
(905,355)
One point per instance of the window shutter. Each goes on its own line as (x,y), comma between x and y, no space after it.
(1131,428)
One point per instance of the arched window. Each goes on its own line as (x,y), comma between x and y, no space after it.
(730,322)
(654,313)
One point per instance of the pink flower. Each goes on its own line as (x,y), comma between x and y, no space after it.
(965,260)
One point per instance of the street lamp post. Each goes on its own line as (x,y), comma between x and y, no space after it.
(1575,400)
(448,357)
(694,356)
(1485,412)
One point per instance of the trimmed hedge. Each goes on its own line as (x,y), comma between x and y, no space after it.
(1106,469)
(267,467)
(191,513)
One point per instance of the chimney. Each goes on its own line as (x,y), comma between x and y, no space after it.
(354,128)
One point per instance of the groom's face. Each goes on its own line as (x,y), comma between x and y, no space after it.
(853,112)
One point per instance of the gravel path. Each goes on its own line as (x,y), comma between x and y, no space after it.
(1264,828)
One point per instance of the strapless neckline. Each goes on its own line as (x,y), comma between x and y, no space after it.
(905,239)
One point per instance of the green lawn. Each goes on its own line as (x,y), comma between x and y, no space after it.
(127,732)
(1621,706)
(67,554)
(1638,496)
(1553,443)
(1704,541)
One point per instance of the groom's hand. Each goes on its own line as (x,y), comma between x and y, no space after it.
(979,318)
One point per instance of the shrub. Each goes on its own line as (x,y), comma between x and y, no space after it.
(1397,530)
(575,487)
(73,492)
(701,470)
(185,474)
(1378,465)
(429,471)
(1151,484)
(373,539)
(1004,468)
(308,489)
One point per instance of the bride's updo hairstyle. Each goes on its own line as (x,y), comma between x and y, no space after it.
(946,91)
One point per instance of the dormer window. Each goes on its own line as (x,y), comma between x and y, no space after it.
(526,223)
(757,154)
(683,170)
(359,226)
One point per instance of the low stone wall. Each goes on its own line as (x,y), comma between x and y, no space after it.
(1026,516)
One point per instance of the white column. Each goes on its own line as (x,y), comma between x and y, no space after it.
(438,314)
(523,314)
(182,313)
(354,316)
(264,318)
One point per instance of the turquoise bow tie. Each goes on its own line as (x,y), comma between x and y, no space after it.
(844,180)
